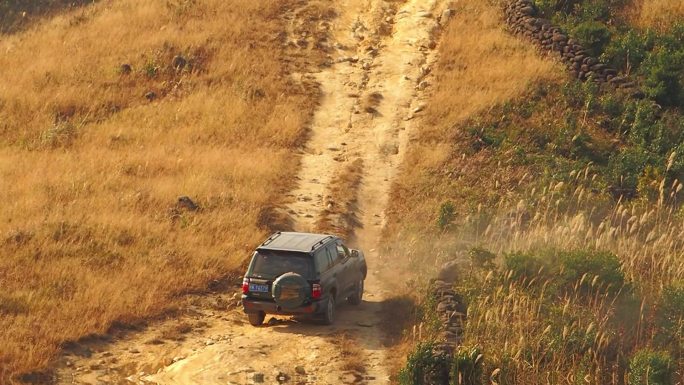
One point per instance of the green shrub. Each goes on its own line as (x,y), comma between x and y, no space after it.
(611,105)
(650,367)
(447,214)
(548,7)
(600,268)
(671,314)
(593,35)
(663,71)
(466,367)
(422,366)
(626,51)
(573,94)
(624,169)
(481,257)
(523,265)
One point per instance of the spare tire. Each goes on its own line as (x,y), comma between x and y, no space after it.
(290,290)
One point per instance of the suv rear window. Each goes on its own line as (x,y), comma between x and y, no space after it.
(271,264)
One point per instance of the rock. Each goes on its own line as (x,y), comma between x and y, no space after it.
(125,69)
(443,307)
(529,11)
(178,62)
(300,370)
(209,342)
(184,202)
(282,377)
(638,95)
(448,272)
(446,16)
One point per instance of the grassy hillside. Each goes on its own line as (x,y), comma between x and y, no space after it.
(562,200)
(109,113)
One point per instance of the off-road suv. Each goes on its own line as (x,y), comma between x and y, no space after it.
(302,274)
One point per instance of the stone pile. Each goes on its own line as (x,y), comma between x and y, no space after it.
(522,18)
(451,309)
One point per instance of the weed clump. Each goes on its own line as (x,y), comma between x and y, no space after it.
(650,367)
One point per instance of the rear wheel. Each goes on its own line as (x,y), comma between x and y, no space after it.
(256,319)
(329,315)
(355,299)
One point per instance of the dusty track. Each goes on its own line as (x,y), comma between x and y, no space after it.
(370,94)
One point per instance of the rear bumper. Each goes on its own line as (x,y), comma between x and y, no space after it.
(252,305)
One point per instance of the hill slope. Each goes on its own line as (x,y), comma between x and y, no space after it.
(109,113)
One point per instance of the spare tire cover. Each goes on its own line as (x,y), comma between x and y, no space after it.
(290,290)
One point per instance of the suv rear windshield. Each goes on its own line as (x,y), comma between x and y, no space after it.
(271,264)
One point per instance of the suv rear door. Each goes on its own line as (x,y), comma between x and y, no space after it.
(267,265)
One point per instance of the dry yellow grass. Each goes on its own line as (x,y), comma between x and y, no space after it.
(480,65)
(90,168)
(658,14)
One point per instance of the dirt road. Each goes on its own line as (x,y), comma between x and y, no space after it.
(371,92)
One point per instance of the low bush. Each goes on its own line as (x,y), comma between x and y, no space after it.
(422,366)
(466,367)
(447,214)
(650,367)
(627,50)
(584,270)
(594,36)
(425,367)
(592,269)
(523,265)
(671,316)
(481,257)
(663,72)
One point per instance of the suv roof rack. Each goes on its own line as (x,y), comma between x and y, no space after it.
(271,238)
(321,242)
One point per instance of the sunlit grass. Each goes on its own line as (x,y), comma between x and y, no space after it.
(91,168)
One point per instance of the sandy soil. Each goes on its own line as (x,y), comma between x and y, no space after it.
(371,92)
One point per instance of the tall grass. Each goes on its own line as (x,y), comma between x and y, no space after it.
(91,168)
(658,14)
(512,188)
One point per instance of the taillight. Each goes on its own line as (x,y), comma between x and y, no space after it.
(245,286)
(316,291)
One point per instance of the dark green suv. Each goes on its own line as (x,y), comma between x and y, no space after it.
(302,274)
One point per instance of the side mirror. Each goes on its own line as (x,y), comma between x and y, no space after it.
(355,253)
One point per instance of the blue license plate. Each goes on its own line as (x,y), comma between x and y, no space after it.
(258,288)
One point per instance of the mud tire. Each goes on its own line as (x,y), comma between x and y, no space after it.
(329,315)
(256,319)
(355,299)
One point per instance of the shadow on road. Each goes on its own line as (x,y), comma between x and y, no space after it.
(389,318)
